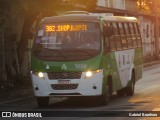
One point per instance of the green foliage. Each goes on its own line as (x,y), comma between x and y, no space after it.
(147,6)
(144,6)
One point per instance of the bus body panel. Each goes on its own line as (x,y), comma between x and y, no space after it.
(86,86)
(138,61)
(122,63)
(55,66)
(124,60)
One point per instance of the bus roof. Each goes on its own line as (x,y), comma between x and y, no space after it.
(120,19)
(87,17)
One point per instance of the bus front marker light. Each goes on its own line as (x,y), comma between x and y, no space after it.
(40,74)
(99,70)
(91,73)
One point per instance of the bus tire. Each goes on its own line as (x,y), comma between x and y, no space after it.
(107,96)
(42,101)
(121,92)
(130,89)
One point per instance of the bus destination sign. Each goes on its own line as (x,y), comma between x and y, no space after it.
(66,27)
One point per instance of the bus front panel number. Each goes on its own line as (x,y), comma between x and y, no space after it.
(80,66)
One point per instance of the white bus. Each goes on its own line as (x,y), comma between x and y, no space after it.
(83,54)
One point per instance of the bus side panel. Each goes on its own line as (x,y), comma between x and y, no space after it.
(138,61)
(125,64)
(112,70)
(121,64)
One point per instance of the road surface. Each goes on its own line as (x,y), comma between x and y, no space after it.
(146,98)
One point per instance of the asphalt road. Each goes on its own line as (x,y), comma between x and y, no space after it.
(146,98)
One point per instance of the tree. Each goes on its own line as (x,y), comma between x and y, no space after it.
(144,6)
(33,11)
(147,6)
(36,9)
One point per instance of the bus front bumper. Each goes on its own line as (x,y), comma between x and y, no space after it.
(91,86)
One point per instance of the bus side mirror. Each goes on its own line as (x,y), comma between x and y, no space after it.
(108,31)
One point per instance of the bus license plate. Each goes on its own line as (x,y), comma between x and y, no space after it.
(64,82)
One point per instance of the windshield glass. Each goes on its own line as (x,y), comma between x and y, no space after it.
(67,41)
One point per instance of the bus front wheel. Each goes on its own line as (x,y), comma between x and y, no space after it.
(107,96)
(42,101)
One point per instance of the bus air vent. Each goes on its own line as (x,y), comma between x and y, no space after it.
(64,86)
(64,75)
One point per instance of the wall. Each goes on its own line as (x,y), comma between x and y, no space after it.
(101,3)
(119,4)
(131,5)
(148,40)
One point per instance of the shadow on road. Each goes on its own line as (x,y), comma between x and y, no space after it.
(78,102)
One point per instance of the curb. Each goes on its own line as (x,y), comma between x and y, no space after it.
(150,64)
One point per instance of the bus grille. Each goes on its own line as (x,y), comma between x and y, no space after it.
(64,86)
(64,75)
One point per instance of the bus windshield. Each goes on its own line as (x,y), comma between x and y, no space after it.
(67,41)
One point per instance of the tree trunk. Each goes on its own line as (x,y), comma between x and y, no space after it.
(26,34)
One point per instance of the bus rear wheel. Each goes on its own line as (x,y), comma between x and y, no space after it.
(121,92)
(42,101)
(130,89)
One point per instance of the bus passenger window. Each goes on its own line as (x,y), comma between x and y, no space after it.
(112,40)
(123,37)
(138,34)
(134,38)
(128,35)
(117,36)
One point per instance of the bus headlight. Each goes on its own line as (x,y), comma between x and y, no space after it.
(40,74)
(91,73)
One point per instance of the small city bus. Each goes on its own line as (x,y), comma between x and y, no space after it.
(85,54)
